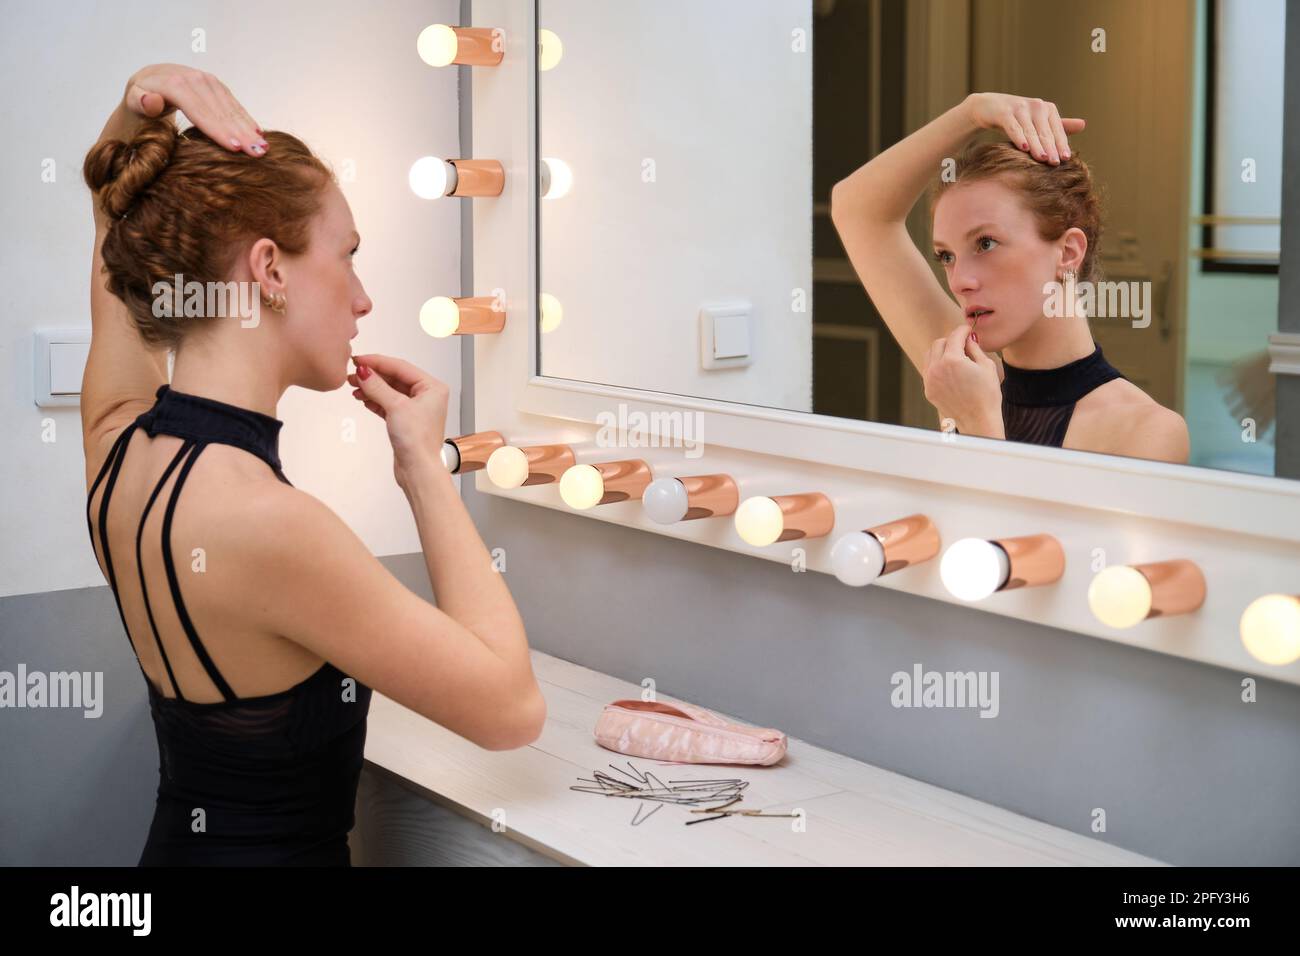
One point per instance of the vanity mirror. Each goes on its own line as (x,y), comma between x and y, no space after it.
(656,235)
(690,151)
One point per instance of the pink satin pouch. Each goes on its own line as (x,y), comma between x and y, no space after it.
(685,734)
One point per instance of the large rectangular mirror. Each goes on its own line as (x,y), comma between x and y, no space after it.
(1122,301)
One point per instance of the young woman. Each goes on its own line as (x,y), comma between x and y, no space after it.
(260,621)
(1010,219)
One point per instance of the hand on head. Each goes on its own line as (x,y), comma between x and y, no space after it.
(1032,124)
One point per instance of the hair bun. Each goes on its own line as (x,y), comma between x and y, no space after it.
(118,172)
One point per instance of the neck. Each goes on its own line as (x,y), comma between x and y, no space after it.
(1051,342)
(212,369)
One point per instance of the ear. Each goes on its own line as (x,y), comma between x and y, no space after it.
(266,264)
(1074,246)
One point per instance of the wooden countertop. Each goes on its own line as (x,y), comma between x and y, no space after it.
(856,814)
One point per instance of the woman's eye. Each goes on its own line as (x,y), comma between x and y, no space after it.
(983,239)
(942,257)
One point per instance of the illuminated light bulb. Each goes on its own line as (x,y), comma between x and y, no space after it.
(441,45)
(507,467)
(556,178)
(759,521)
(665,501)
(1270,628)
(552,312)
(1120,596)
(450,456)
(857,558)
(549,50)
(762,521)
(437,45)
(432,178)
(973,568)
(440,317)
(582,487)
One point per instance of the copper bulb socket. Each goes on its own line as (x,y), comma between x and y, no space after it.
(622,480)
(478,315)
(809,515)
(1177,586)
(475,449)
(474,46)
(906,541)
(546,463)
(1033,560)
(709,496)
(478,177)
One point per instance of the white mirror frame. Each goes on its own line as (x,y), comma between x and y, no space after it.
(1242,530)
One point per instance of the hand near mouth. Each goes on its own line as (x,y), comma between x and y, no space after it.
(963,383)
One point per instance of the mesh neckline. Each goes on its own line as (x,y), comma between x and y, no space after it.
(1063,385)
(206,419)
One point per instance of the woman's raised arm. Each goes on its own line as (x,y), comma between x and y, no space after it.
(122,373)
(870,208)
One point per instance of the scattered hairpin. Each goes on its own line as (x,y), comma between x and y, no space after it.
(690,793)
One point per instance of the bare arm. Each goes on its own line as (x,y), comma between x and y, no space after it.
(463,664)
(870,208)
(460,568)
(122,372)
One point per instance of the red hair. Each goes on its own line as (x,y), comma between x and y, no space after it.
(1060,197)
(190,205)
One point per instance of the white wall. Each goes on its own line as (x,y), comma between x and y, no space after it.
(716,97)
(343,77)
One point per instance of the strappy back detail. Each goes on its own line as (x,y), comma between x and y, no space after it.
(199,421)
(275,775)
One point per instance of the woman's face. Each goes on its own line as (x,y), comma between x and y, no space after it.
(325,298)
(989,246)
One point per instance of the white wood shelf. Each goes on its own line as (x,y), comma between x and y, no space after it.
(856,814)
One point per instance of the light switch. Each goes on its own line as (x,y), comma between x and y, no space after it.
(725,335)
(67,365)
(730,336)
(60,363)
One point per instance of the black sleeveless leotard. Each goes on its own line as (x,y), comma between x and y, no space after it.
(268,780)
(1037,404)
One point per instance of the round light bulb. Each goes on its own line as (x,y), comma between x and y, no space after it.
(507,467)
(582,487)
(759,521)
(552,312)
(973,568)
(430,176)
(440,317)
(450,456)
(437,45)
(858,558)
(557,178)
(1270,628)
(549,50)
(1120,596)
(664,500)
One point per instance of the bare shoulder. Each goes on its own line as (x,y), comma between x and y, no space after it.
(1120,419)
(309,576)
(275,520)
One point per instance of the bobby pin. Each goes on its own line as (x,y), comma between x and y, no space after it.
(648,787)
